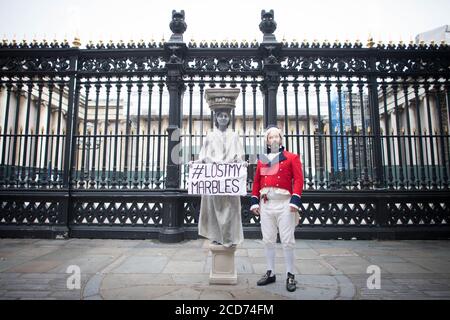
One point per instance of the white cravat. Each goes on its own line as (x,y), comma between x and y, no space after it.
(271,156)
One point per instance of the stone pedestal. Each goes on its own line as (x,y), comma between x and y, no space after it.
(223,269)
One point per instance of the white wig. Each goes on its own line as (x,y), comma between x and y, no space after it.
(271,129)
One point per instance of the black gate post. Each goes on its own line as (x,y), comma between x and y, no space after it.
(381,213)
(172,230)
(69,138)
(378,179)
(270,49)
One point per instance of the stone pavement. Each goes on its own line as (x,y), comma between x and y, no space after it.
(148,269)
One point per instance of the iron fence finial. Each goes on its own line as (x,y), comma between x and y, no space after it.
(76,43)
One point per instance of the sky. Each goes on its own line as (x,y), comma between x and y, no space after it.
(95,20)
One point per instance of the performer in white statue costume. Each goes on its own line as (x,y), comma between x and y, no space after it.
(220,215)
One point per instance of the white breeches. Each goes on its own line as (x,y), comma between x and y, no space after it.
(276,216)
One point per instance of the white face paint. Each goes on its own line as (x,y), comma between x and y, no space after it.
(223,118)
(273,141)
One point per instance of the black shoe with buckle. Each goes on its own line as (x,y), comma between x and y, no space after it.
(266,279)
(290,282)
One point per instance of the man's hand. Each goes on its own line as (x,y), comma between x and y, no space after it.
(293,210)
(256,211)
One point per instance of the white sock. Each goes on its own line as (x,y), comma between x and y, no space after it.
(289,259)
(270,256)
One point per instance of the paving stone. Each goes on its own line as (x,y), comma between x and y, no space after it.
(37,266)
(116,281)
(256,253)
(66,295)
(374,252)
(415,253)
(139,292)
(215,295)
(144,264)
(8,263)
(442,294)
(191,279)
(256,294)
(33,251)
(434,265)
(20,281)
(112,243)
(260,253)
(349,265)
(114,264)
(12,241)
(253,244)
(86,263)
(335,252)
(346,289)
(181,294)
(185,267)
(152,251)
(382,259)
(92,287)
(262,260)
(53,242)
(391,294)
(96,297)
(402,267)
(191,254)
(9,275)
(26,286)
(110,251)
(26,294)
(441,281)
(429,287)
(323,244)
(313,267)
(64,254)
(40,298)
(43,276)
(306,254)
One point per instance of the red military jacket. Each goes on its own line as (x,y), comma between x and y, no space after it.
(284,171)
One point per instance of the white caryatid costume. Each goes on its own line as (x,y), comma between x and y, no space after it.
(220,215)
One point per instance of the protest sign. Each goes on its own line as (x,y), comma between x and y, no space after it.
(218,179)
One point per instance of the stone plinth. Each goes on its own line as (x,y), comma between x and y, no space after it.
(223,268)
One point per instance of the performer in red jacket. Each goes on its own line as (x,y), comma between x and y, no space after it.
(276,197)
